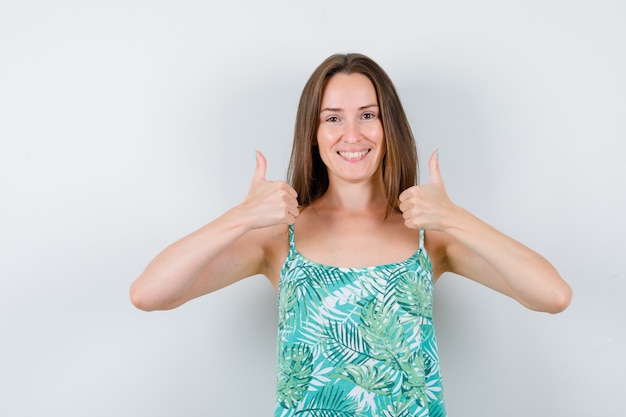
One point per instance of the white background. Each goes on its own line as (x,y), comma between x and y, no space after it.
(125,125)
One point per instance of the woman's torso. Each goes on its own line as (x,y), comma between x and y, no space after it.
(355,320)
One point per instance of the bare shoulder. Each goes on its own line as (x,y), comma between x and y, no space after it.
(435,244)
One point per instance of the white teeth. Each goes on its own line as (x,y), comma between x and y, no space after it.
(352,155)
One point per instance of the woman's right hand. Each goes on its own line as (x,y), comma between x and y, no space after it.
(268,203)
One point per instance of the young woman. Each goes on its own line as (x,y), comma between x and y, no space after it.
(353,246)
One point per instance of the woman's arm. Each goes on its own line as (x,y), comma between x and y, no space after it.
(472,248)
(478,251)
(232,247)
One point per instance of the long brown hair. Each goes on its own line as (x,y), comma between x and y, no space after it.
(307,173)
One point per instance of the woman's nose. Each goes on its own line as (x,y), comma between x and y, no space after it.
(351,131)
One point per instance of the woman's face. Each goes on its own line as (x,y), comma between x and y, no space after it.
(350,135)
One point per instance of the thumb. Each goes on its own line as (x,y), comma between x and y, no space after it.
(261,168)
(433,166)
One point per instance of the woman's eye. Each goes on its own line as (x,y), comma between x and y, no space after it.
(368,116)
(332,119)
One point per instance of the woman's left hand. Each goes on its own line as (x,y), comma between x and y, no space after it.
(427,206)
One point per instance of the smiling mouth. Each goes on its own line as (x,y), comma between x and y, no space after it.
(353,155)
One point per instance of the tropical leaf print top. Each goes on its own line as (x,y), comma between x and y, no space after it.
(357,341)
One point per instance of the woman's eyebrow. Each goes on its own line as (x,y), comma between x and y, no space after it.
(336,109)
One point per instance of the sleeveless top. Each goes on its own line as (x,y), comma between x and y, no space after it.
(357,341)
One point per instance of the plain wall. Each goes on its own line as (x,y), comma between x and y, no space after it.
(125,125)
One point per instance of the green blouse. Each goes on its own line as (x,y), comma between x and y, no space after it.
(357,341)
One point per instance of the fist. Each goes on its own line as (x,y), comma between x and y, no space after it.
(426,206)
(269,203)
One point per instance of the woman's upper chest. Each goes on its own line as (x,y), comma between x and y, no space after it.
(354,240)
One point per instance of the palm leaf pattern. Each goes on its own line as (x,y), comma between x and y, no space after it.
(357,341)
(296,368)
(330,402)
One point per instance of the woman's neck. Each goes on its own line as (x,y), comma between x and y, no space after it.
(364,197)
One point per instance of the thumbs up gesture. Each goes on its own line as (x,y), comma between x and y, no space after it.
(269,203)
(426,206)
